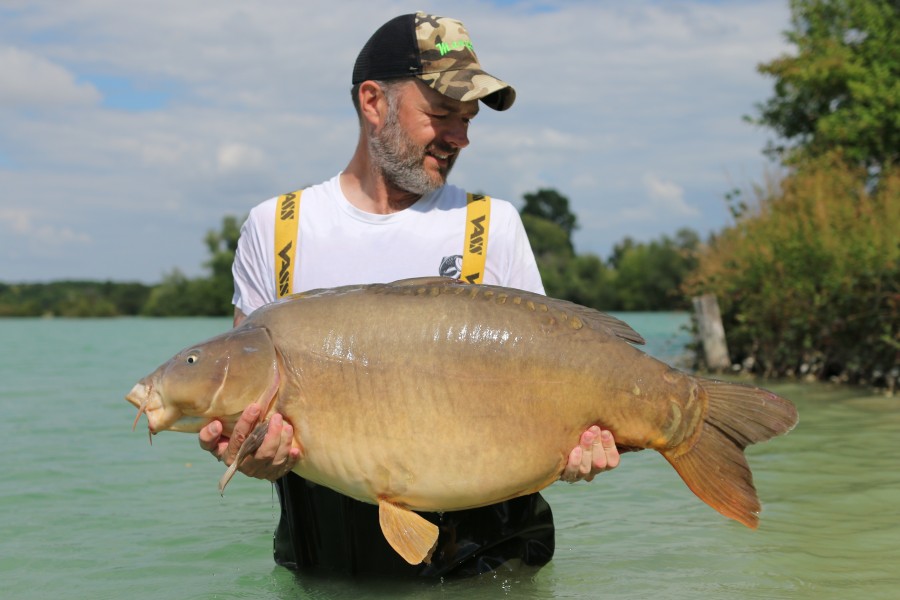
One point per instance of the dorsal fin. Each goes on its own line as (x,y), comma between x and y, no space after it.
(589,315)
(433,280)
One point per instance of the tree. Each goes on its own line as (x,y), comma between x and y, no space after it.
(222,246)
(636,277)
(178,295)
(619,251)
(174,297)
(591,283)
(548,223)
(554,207)
(841,91)
(552,251)
(649,276)
(547,239)
(809,279)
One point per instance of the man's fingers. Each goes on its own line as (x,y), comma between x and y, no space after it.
(283,449)
(287,454)
(596,452)
(579,464)
(609,451)
(242,429)
(209,436)
(268,450)
(587,445)
(590,444)
(570,472)
(275,455)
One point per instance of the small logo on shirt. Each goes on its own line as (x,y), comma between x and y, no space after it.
(451,266)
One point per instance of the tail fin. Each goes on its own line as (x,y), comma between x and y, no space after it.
(715,468)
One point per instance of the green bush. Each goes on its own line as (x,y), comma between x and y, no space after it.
(809,281)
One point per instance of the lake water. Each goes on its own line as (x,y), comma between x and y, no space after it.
(89,510)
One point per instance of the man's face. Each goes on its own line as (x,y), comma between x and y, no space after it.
(420,138)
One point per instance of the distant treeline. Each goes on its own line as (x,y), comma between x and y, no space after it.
(638,276)
(176,296)
(73,299)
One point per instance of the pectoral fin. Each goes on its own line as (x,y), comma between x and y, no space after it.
(250,445)
(413,537)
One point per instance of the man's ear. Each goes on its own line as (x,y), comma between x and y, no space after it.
(373,105)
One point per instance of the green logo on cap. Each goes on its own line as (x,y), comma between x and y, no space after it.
(445,47)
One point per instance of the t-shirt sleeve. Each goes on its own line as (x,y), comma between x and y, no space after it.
(254,283)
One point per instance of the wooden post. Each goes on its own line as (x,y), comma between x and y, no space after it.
(712,332)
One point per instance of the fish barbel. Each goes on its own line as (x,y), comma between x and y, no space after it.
(436,395)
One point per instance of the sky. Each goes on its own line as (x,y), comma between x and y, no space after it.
(128,130)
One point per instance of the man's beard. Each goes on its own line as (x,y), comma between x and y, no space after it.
(402,161)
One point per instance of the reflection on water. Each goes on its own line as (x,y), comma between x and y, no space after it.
(90,510)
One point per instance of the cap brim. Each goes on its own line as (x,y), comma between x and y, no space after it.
(472,84)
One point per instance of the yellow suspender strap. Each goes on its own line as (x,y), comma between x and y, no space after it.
(478,220)
(287,219)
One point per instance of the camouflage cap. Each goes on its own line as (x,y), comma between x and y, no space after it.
(438,51)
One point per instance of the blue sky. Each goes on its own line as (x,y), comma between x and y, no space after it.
(128,130)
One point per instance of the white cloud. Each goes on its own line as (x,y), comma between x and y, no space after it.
(38,231)
(235,157)
(664,203)
(29,81)
(667,196)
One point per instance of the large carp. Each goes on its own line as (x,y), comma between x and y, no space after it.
(435,395)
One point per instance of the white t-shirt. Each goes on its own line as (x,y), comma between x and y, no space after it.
(341,245)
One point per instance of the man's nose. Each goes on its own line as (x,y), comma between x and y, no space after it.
(457,134)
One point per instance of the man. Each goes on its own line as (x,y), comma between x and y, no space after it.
(390,215)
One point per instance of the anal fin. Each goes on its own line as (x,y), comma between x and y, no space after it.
(411,535)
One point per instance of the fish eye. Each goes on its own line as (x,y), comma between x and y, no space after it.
(192,358)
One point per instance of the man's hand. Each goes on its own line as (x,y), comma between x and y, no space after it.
(595,453)
(276,455)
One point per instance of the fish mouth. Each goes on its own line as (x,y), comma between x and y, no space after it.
(142,397)
(159,418)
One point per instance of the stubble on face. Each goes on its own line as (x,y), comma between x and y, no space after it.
(400,160)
